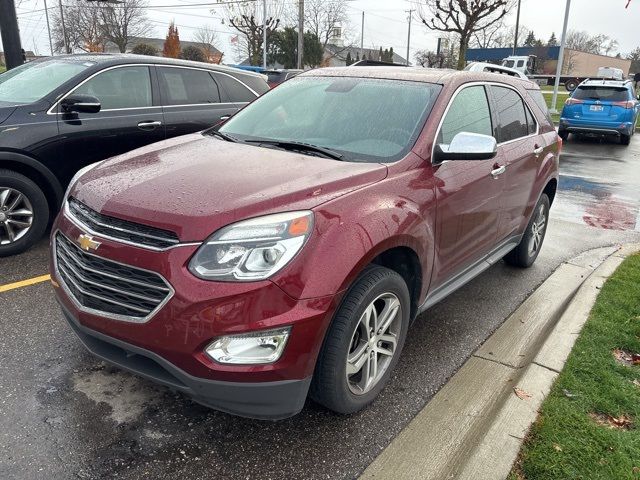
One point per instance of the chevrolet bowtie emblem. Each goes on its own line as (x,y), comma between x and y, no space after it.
(87,242)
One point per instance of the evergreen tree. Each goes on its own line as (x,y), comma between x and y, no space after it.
(172,43)
(349,60)
(391,55)
(553,41)
(531,40)
(357,57)
(381,56)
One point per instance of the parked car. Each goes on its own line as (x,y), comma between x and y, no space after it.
(276,77)
(601,107)
(286,252)
(60,114)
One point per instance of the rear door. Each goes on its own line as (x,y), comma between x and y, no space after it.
(469,196)
(522,149)
(192,100)
(130,116)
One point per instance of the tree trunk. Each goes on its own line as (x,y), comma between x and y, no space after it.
(462,53)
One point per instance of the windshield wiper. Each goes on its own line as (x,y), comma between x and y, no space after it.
(289,145)
(224,136)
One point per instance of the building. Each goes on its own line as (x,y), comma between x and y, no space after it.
(580,64)
(214,55)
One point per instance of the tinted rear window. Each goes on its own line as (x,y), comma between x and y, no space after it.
(538,97)
(603,94)
(275,76)
(511,114)
(184,86)
(236,90)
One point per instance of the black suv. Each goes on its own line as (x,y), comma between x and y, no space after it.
(60,114)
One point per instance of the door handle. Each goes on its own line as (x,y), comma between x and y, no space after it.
(538,150)
(498,170)
(149,125)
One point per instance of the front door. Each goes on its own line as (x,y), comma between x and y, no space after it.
(128,118)
(468,192)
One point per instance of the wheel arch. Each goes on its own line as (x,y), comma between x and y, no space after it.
(38,173)
(550,189)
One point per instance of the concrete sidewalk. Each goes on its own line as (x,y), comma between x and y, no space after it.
(474,427)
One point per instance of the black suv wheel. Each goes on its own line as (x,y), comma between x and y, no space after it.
(24,213)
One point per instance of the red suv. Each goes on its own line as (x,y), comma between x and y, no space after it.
(286,252)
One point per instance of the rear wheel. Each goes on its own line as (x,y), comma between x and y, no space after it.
(363,343)
(24,213)
(529,247)
(571,84)
(625,139)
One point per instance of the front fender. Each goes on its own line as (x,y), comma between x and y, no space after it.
(353,230)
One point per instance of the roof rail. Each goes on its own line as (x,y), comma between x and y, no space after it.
(492,68)
(376,63)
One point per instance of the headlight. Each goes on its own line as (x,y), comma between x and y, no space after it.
(252,249)
(251,348)
(75,178)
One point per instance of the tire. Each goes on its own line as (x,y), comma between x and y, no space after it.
(24,213)
(564,135)
(523,255)
(571,84)
(625,139)
(377,288)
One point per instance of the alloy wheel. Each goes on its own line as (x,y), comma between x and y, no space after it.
(16,215)
(537,230)
(373,343)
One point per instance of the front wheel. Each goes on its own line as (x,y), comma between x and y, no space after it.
(24,213)
(563,134)
(531,243)
(363,343)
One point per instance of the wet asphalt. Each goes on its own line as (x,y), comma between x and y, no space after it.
(63,414)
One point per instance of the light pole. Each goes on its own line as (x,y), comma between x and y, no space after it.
(264,34)
(300,32)
(362,38)
(515,40)
(46,14)
(409,34)
(10,34)
(563,41)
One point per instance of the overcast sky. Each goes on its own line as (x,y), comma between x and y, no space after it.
(385,22)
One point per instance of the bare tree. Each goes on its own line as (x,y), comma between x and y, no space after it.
(85,32)
(463,17)
(247,19)
(323,17)
(585,42)
(125,20)
(207,38)
(490,37)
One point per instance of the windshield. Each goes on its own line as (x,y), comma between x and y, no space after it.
(603,94)
(365,120)
(40,77)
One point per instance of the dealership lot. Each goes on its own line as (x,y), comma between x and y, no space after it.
(66,415)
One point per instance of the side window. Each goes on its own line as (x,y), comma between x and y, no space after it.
(236,90)
(531,122)
(520,63)
(511,114)
(469,112)
(184,86)
(123,87)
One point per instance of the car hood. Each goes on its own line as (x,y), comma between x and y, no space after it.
(196,184)
(6,111)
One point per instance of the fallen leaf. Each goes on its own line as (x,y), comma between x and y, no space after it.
(567,393)
(635,359)
(622,422)
(625,357)
(521,394)
(635,469)
(557,447)
(636,382)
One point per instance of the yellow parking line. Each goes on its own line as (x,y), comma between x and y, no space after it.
(25,283)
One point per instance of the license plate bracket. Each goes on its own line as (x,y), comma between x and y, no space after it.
(596,108)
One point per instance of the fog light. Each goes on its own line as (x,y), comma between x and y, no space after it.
(249,348)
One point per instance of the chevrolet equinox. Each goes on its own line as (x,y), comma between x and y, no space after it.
(286,252)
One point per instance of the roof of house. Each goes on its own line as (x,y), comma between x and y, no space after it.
(159,44)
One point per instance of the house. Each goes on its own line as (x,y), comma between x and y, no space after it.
(212,53)
(335,55)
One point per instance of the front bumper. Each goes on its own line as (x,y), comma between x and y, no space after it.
(264,400)
(573,125)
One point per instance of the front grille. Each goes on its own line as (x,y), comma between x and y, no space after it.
(110,288)
(118,229)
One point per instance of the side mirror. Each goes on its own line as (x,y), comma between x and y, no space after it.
(466,146)
(81,103)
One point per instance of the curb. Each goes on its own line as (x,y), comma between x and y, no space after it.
(475,425)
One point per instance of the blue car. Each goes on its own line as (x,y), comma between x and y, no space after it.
(601,107)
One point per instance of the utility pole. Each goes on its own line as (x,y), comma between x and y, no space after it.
(46,14)
(10,34)
(409,34)
(563,42)
(362,38)
(64,30)
(515,40)
(300,33)
(264,34)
